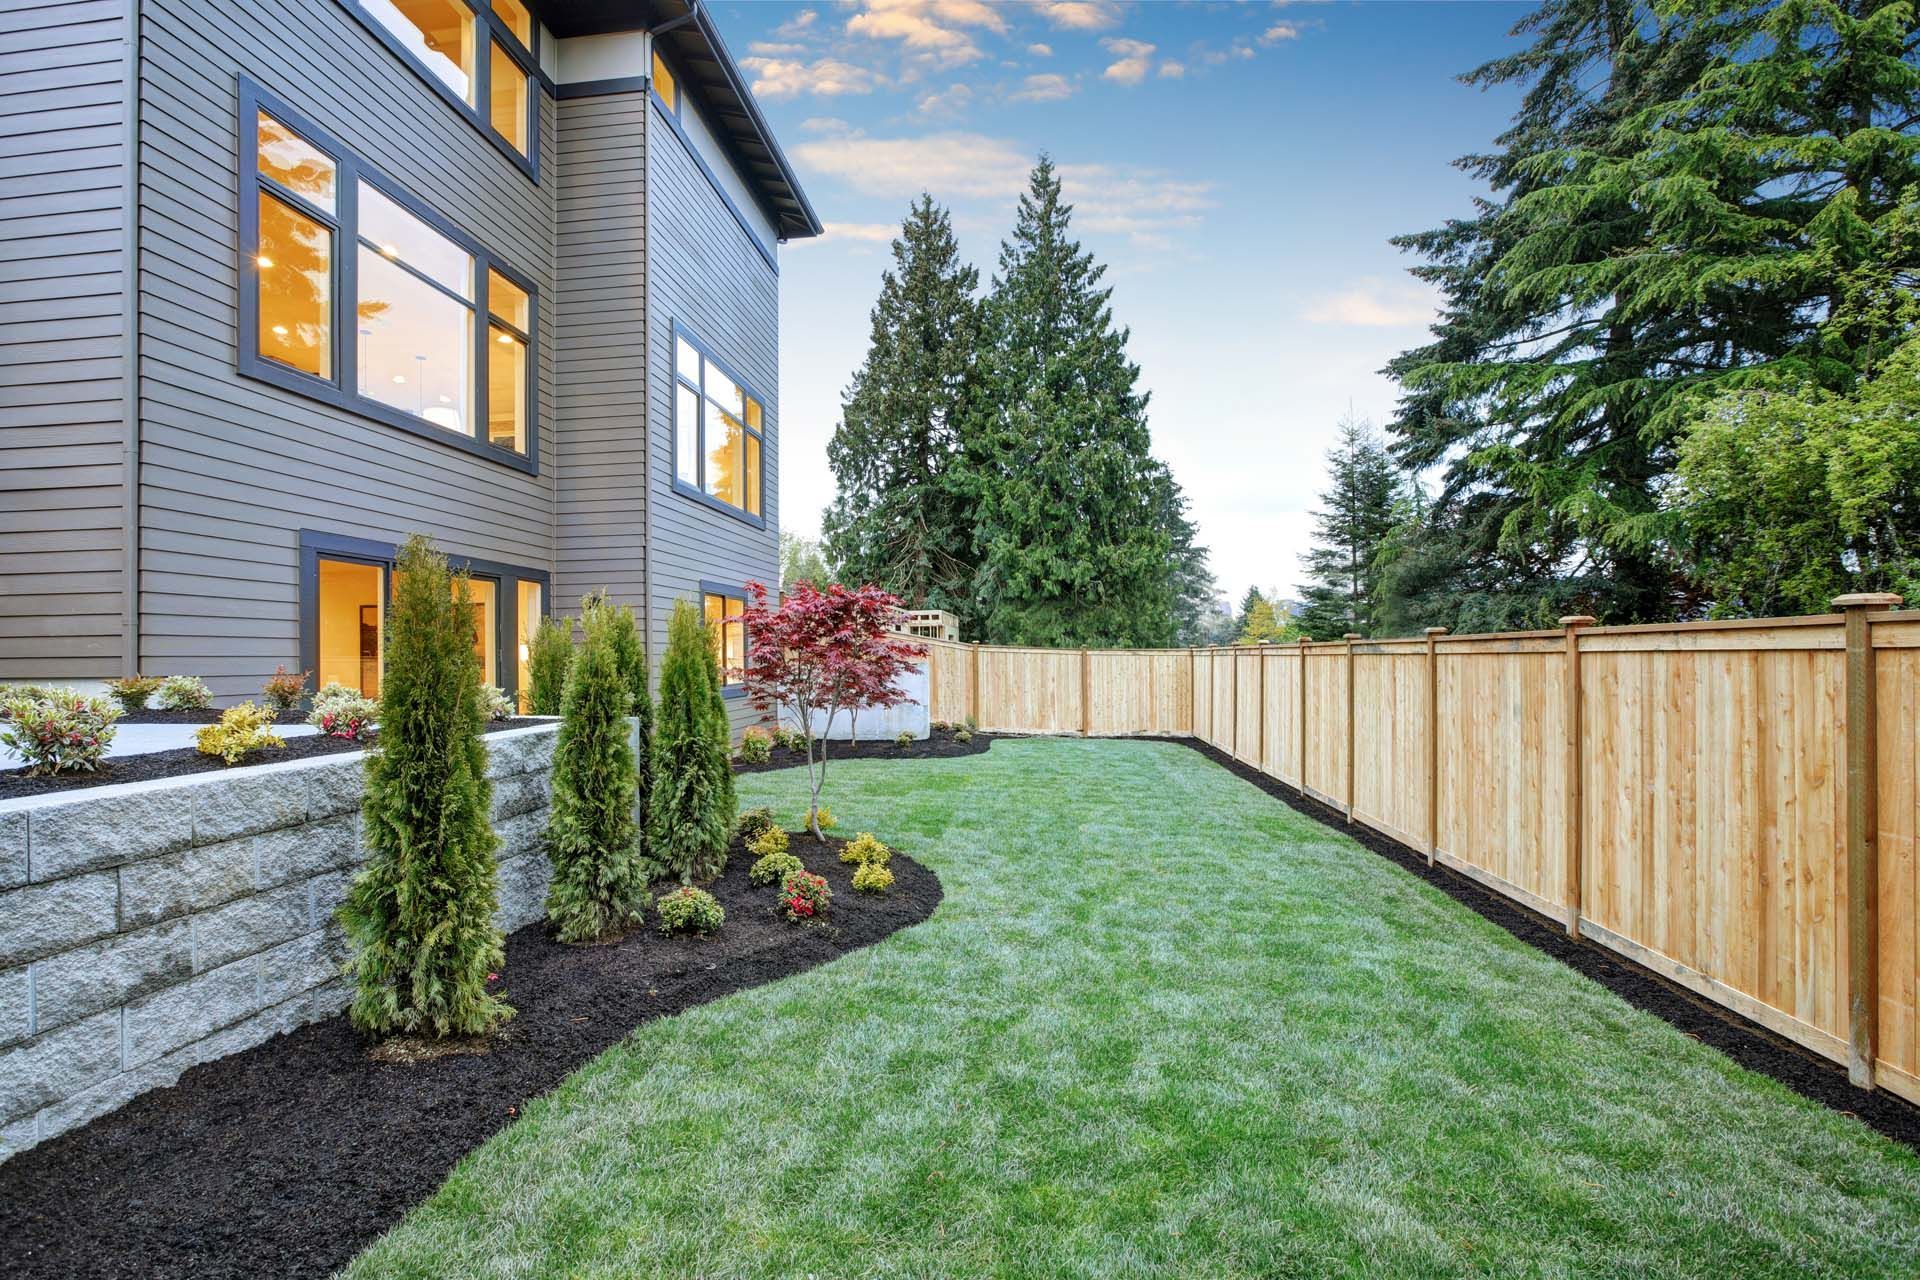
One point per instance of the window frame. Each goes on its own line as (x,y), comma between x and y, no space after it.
(728,591)
(342,390)
(677,333)
(317,545)
(487,28)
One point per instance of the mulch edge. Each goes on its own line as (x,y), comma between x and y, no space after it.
(1744,1041)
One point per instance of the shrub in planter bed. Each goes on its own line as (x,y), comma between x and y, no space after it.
(964,735)
(772,840)
(941,726)
(132,692)
(549,654)
(185,693)
(691,813)
(904,739)
(285,688)
(827,821)
(689,910)
(420,915)
(791,739)
(60,731)
(756,746)
(495,703)
(241,730)
(623,631)
(340,712)
(753,822)
(774,867)
(872,877)
(599,879)
(864,849)
(805,894)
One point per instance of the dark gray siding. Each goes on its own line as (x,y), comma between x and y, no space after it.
(233,468)
(63,281)
(705,273)
(601,359)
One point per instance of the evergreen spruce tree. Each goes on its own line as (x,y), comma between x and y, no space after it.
(599,880)
(1357,515)
(897,519)
(419,917)
(1076,523)
(549,655)
(691,815)
(630,655)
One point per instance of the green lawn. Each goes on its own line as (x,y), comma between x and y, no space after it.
(1161,1025)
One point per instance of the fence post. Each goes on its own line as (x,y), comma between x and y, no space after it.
(1233,705)
(1863,837)
(1086,694)
(1260,665)
(1193,692)
(1352,735)
(1303,716)
(974,700)
(1433,744)
(1575,820)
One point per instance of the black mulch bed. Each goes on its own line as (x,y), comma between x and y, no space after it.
(939,746)
(202,715)
(285,1160)
(1746,1042)
(181,761)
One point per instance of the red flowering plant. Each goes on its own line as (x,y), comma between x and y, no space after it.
(825,652)
(57,730)
(805,895)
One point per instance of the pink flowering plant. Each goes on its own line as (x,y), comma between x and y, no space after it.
(59,731)
(827,652)
(804,895)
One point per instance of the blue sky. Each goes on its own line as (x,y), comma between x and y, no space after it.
(1239,167)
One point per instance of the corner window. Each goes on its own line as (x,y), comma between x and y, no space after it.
(728,633)
(665,85)
(480,57)
(719,432)
(361,296)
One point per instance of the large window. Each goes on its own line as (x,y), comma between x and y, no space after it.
(438,338)
(481,57)
(727,631)
(719,433)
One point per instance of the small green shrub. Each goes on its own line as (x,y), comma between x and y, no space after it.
(964,735)
(285,688)
(689,910)
(903,740)
(342,712)
(753,822)
(60,731)
(495,703)
(973,726)
(549,654)
(773,868)
(756,746)
(872,877)
(185,693)
(805,895)
(864,849)
(241,730)
(132,692)
(827,821)
(942,726)
(790,739)
(772,840)
(692,808)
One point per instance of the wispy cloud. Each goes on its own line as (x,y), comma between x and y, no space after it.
(776,48)
(1280,31)
(1045,87)
(938,31)
(1079,15)
(798,23)
(1132,58)
(861,232)
(1373,303)
(1172,70)
(948,102)
(825,77)
(1040,50)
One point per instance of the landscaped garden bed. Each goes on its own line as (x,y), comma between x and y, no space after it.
(287,1158)
(941,744)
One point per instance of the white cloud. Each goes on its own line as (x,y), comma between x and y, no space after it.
(1131,59)
(1040,50)
(776,49)
(1280,31)
(826,77)
(832,125)
(1172,70)
(1079,15)
(798,23)
(1046,87)
(950,101)
(1373,303)
(861,232)
(931,29)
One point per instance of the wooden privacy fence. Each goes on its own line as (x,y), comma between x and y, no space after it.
(1734,805)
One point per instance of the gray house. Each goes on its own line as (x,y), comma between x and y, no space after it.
(283,281)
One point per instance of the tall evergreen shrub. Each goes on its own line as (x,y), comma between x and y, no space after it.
(631,656)
(599,879)
(692,809)
(420,915)
(549,655)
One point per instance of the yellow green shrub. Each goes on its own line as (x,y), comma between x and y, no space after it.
(864,850)
(241,729)
(872,877)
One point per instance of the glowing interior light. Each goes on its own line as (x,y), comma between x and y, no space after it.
(265,261)
(506,340)
(399,377)
(280,329)
(391,250)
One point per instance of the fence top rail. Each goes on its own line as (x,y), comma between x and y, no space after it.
(1713,624)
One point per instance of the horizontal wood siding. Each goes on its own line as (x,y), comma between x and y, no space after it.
(705,273)
(63,282)
(601,360)
(234,468)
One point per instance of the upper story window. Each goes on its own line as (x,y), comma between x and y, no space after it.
(719,432)
(357,294)
(665,85)
(479,56)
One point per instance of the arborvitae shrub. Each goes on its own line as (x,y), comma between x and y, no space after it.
(630,655)
(420,915)
(692,809)
(549,654)
(599,881)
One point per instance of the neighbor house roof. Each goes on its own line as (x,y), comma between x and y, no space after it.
(686,35)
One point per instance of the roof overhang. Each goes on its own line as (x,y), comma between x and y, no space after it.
(687,36)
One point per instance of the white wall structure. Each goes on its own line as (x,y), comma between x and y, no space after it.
(883,724)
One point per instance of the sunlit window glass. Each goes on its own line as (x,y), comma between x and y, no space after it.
(293,266)
(724,448)
(416,345)
(509,301)
(517,19)
(437,32)
(507,91)
(402,237)
(506,390)
(350,602)
(664,84)
(686,461)
(295,163)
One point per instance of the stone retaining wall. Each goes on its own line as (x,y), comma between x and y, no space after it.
(150,927)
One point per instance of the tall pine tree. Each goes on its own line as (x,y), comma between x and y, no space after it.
(1358,514)
(897,519)
(1077,525)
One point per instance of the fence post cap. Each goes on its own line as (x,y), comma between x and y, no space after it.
(1869,600)
(1436,631)
(1578,620)
(1353,635)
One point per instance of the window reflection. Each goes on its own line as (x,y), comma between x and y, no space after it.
(416,345)
(402,237)
(507,89)
(517,19)
(293,268)
(728,634)
(295,163)
(718,431)
(506,390)
(437,32)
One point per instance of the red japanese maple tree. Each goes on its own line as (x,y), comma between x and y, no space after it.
(827,652)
